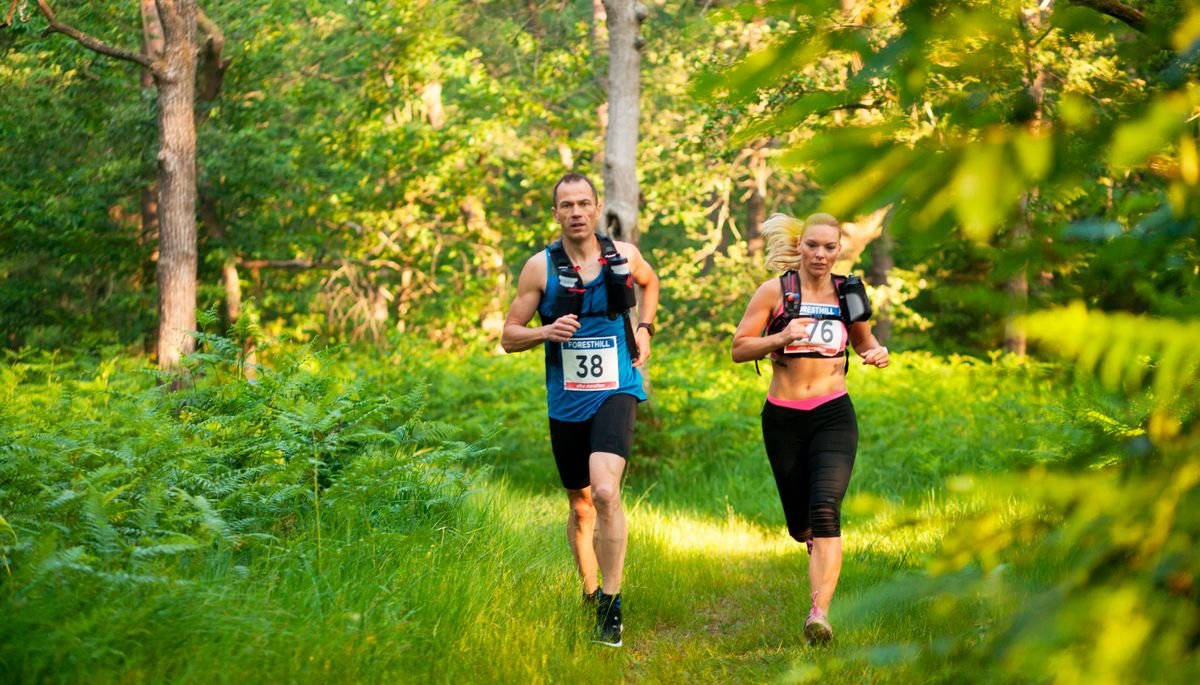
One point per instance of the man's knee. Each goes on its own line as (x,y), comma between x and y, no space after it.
(583,509)
(606,496)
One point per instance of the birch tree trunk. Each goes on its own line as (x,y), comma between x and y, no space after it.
(1018,284)
(174,73)
(176,80)
(621,190)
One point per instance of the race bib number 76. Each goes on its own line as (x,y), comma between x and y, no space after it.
(826,337)
(590,364)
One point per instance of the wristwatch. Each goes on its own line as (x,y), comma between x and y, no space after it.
(648,327)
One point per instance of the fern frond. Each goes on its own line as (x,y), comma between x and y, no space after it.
(1123,350)
(107,541)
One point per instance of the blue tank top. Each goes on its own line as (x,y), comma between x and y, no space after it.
(594,364)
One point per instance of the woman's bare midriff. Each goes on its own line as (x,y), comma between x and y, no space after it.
(807,377)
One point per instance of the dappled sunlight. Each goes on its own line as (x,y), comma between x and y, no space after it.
(690,534)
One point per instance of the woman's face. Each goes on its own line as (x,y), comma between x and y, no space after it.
(819,249)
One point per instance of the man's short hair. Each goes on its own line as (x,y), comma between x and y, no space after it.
(575,178)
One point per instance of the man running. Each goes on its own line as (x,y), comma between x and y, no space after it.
(581,287)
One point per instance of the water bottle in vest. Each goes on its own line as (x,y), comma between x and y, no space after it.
(568,299)
(619,285)
(858,305)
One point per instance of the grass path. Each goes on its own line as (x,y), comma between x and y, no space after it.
(714,589)
(707,600)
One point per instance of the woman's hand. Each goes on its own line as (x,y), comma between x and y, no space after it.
(876,356)
(797,330)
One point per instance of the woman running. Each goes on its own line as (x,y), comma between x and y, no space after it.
(808,422)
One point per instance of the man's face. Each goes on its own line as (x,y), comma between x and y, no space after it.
(576,210)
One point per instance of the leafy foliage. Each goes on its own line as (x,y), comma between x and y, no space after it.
(108,482)
(1092,579)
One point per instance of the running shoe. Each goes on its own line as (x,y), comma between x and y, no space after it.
(608,620)
(591,599)
(817,629)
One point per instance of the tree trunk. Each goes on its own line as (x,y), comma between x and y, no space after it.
(756,203)
(599,41)
(177,183)
(435,113)
(621,191)
(491,263)
(882,261)
(152,39)
(1018,284)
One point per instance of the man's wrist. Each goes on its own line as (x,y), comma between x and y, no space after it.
(648,326)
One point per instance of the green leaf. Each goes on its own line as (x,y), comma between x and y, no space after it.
(1034,153)
(984,191)
(1135,141)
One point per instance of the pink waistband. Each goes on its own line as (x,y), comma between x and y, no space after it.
(806,404)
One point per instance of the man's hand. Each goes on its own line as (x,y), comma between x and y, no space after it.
(563,328)
(642,337)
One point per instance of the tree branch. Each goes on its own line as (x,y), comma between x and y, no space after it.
(310,264)
(849,107)
(212,74)
(89,42)
(12,9)
(1116,9)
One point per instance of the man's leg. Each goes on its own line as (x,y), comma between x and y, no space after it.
(581,527)
(611,530)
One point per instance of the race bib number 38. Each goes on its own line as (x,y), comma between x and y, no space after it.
(590,364)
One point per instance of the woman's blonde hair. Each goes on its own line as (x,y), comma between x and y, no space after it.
(782,234)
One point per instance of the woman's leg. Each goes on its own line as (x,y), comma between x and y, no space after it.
(831,460)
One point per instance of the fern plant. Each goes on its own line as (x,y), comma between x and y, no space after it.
(108,477)
(1092,579)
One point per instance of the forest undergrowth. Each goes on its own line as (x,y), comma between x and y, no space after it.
(354,517)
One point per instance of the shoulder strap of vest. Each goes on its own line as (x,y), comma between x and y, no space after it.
(558,255)
(789,283)
(789,286)
(607,247)
(608,250)
(562,301)
(843,314)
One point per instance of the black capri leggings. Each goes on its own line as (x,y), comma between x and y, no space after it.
(812,455)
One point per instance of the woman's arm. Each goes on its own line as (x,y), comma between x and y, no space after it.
(748,342)
(867,347)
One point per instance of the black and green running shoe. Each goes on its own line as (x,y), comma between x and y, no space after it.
(608,621)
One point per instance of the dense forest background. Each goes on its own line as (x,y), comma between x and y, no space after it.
(303,498)
(369,170)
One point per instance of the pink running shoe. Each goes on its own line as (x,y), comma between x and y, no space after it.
(817,629)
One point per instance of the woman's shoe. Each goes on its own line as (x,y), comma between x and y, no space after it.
(817,629)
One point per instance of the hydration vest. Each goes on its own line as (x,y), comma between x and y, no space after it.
(618,289)
(789,283)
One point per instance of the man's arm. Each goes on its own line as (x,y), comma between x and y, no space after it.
(517,336)
(643,274)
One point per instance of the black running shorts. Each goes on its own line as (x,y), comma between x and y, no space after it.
(812,454)
(609,430)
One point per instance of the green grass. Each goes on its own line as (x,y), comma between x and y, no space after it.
(413,576)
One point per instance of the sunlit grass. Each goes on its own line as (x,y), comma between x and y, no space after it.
(485,592)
